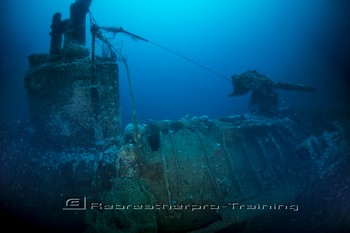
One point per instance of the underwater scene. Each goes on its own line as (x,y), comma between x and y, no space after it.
(176,116)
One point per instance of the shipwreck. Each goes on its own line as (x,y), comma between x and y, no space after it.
(234,174)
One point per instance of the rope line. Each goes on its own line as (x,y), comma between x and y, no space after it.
(188,59)
(134,115)
(115,54)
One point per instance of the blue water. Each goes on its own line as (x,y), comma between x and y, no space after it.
(289,40)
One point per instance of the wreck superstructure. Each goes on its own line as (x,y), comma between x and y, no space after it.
(197,174)
(73,99)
